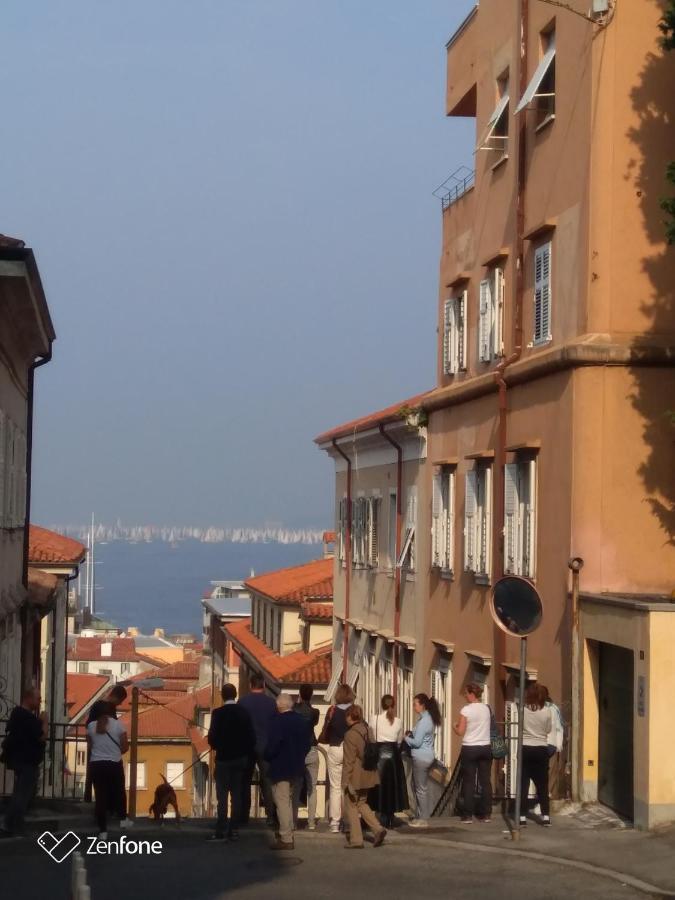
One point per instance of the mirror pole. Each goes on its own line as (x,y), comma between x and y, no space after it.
(519,751)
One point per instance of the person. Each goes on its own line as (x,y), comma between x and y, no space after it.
(474,726)
(107,740)
(537,725)
(356,782)
(23,749)
(262,710)
(555,743)
(304,708)
(334,730)
(391,795)
(288,744)
(421,743)
(232,736)
(106,706)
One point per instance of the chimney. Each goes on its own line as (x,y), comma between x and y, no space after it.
(106,649)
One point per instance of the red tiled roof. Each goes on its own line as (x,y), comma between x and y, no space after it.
(329,537)
(295,668)
(381,417)
(311,581)
(172,720)
(146,697)
(312,610)
(45,546)
(123,649)
(41,587)
(81,689)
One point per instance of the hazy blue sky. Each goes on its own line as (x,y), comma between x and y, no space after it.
(231,207)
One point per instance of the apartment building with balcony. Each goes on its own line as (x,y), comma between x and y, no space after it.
(547,436)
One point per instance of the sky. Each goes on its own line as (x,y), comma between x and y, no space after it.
(230,202)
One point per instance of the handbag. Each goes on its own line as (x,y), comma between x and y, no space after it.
(371,753)
(323,737)
(498,743)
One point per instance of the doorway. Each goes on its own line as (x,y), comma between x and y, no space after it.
(615,751)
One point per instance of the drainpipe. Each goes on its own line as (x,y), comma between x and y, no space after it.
(348,558)
(576,565)
(514,356)
(397,569)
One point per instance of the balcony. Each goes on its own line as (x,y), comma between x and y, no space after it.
(455,186)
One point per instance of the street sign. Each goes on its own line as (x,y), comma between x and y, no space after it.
(516,606)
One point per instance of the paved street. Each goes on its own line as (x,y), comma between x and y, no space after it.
(407,865)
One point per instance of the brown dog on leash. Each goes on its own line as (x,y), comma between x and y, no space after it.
(165,796)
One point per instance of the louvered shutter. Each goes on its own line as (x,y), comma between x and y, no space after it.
(484,325)
(470,514)
(3,473)
(460,329)
(486,521)
(332,685)
(542,293)
(529,472)
(511,515)
(23,480)
(450,521)
(355,531)
(373,536)
(498,312)
(436,519)
(341,530)
(449,338)
(10,485)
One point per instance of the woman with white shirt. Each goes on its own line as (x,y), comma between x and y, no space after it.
(421,743)
(107,739)
(473,726)
(386,730)
(537,724)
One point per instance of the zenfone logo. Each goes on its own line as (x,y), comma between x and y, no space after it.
(58,848)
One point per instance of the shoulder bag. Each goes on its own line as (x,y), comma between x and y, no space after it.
(323,737)
(498,743)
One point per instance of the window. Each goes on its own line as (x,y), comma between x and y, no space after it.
(441,692)
(372,532)
(359,536)
(391,530)
(541,89)
(496,134)
(175,775)
(480,674)
(406,559)
(443,519)
(80,757)
(491,315)
(454,334)
(542,293)
(140,774)
(13,449)
(384,668)
(358,641)
(83,667)
(125,668)
(343,514)
(477,520)
(406,661)
(369,696)
(519,518)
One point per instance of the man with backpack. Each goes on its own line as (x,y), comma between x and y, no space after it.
(22,752)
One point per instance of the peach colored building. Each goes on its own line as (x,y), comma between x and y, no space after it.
(547,436)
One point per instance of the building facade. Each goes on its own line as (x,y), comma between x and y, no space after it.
(547,436)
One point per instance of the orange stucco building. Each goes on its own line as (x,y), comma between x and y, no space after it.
(547,436)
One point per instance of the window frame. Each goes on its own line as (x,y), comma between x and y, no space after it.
(520,517)
(478,531)
(542,293)
(443,519)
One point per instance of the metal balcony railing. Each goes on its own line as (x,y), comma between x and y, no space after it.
(455,186)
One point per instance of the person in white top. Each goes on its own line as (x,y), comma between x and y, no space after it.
(107,739)
(473,726)
(391,795)
(537,724)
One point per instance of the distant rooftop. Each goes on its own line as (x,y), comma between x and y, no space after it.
(228,606)
(145,641)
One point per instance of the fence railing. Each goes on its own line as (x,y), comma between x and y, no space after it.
(455,186)
(64,768)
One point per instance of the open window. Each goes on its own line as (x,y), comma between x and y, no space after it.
(454,334)
(491,315)
(520,493)
(496,136)
(406,558)
(540,92)
(443,519)
(477,520)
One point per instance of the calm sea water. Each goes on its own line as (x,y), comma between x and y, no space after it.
(157,585)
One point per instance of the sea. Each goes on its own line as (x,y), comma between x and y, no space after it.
(160,585)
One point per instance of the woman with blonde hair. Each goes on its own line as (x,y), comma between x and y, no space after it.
(357,780)
(386,731)
(333,734)
(537,724)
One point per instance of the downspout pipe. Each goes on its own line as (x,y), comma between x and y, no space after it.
(348,558)
(514,356)
(397,569)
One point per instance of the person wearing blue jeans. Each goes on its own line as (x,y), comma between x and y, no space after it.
(421,743)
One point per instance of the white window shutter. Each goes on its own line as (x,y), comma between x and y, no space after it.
(511,511)
(3,473)
(542,293)
(449,338)
(485,542)
(460,329)
(470,516)
(373,538)
(498,312)
(484,310)
(341,529)
(450,521)
(436,519)
(529,474)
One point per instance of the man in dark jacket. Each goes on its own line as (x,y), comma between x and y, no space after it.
(262,709)
(23,748)
(288,744)
(310,713)
(232,736)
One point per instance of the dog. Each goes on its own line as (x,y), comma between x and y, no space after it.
(165,796)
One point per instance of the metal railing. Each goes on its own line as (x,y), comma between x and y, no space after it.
(455,186)
(64,767)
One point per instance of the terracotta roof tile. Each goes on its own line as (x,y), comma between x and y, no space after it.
(188,670)
(172,720)
(81,689)
(45,546)
(89,648)
(313,610)
(311,581)
(381,417)
(295,668)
